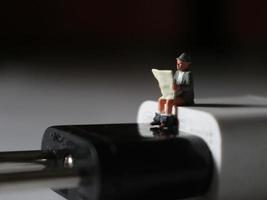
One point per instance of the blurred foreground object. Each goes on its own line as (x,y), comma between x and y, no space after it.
(111,161)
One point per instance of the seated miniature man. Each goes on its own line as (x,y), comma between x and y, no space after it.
(183,92)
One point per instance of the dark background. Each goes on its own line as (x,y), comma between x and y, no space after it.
(137,26)
(95,57)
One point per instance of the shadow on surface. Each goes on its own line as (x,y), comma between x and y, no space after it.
(220,105)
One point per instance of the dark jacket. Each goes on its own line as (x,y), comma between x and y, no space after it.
(187,87)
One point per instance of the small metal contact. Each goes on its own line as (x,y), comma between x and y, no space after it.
(68,162)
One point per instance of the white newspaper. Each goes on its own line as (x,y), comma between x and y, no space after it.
(165,80)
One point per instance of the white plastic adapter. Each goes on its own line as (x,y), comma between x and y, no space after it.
(235,129)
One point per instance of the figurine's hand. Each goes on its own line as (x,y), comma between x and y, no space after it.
(174,87)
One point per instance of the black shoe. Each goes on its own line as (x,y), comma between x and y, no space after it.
(169,121)
(156,119)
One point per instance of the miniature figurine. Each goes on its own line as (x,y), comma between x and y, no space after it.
(183,91)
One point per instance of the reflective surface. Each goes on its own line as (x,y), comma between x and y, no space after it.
(27,170)
(130,161)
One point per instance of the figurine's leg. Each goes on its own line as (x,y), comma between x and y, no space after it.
(169,105)
(179,101)
(161,108)
(161,104)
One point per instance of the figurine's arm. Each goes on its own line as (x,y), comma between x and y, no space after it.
(188,82)
(176,86)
